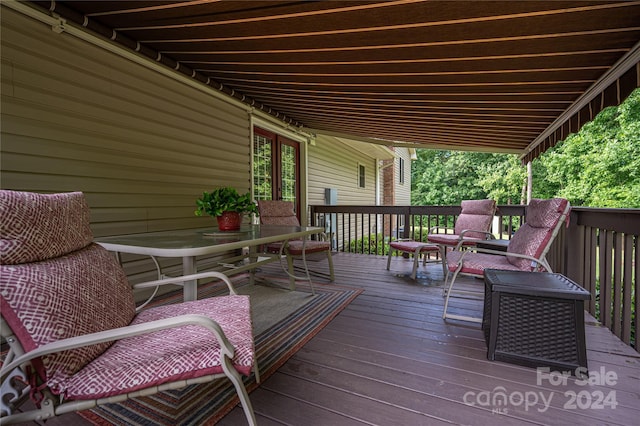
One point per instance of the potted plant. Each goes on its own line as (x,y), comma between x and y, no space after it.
(227,206)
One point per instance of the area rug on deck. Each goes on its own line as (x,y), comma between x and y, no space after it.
(283,322)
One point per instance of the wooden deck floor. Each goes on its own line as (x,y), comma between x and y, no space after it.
(390,359)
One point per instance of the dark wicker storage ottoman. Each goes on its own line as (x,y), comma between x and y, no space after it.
(534,319)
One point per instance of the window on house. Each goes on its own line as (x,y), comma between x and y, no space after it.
(361,174)
(401,170)
(276,167)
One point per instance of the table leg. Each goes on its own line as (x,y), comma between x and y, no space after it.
(190,289)
(253,258)
(306,268)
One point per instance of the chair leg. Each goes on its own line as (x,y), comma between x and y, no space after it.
(332,275)
(292,280)
(416,261)
(391,251)
(446,301)
(443,256)
(241,390)
(307,274)
(448,293)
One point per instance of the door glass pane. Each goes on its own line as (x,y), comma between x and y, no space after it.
(262,168)
(288,156)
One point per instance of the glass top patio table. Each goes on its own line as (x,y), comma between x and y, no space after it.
(189,243)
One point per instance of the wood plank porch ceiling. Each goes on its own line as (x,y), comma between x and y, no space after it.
(476,75)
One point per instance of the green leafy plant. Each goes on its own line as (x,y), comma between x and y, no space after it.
(224,199)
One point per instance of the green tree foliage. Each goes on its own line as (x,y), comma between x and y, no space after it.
(503,180)
(597,167)
(448,177)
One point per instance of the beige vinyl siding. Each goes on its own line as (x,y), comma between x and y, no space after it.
(140,145)
(332,164)
(403,190)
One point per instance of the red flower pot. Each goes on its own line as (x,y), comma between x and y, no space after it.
(229,221)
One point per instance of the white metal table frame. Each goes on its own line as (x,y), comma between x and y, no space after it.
(189,243)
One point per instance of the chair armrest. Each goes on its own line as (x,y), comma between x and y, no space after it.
(542,262)
(464,231)
(120,333)
(180,280)
(488,234)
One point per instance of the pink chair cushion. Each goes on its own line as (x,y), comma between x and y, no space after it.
(452,240)
(311,246)
(533,237)
(86,291)
(36,227)
(545,213)
(276,212)
(475,215)
(54,282)
(295,247)
(529,241)
(411,246)
(80,293)
(165,356)
(476,263)
(479,207)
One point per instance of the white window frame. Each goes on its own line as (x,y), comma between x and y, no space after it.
(361,178)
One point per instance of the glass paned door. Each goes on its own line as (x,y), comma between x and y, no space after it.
(276,167)
(262,168)
(288,174)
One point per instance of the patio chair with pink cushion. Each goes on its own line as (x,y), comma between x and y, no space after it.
(75,337)
(472,225)
(526,251)
(415,248)
(278,212)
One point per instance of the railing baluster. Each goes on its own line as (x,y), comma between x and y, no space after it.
(617,284)
(636,302)
(626,289)
(592,277)
(605,281)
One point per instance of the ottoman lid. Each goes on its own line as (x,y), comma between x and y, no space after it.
(541,284)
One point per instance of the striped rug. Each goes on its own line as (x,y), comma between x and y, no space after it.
(205,404)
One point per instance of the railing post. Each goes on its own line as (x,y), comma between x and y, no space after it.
(407,222)
(312,214)
(574,250)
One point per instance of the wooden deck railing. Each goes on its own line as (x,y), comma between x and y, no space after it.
(598,249)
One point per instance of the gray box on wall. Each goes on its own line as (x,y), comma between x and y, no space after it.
(331,196)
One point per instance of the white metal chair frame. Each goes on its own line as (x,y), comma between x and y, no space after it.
(52,405)
(461,242)
(284,248)
(539,264)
